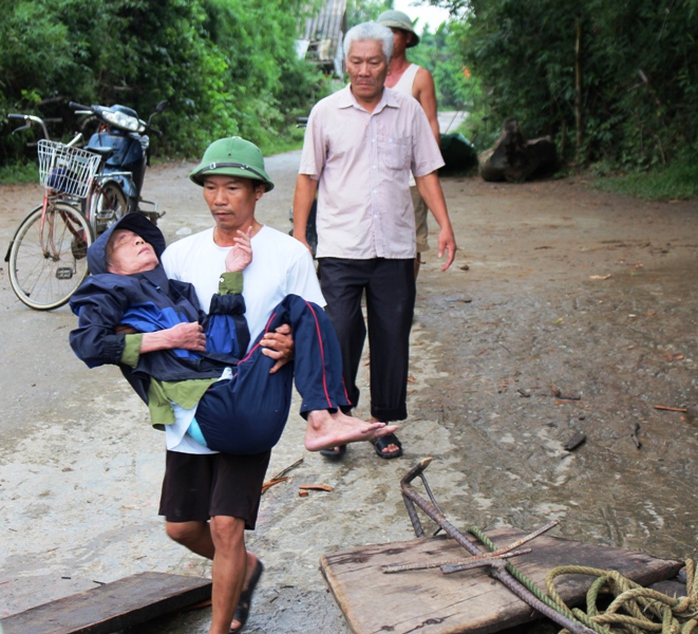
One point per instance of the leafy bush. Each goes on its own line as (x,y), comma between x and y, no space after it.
(638,60)
(226,66)
(19,173)
(678,180)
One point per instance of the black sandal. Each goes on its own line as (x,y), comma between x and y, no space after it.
(335,453)
(242,611)
(382,442)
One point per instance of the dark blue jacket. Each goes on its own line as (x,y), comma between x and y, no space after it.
(150,302)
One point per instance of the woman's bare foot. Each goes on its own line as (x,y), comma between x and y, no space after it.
(329,429)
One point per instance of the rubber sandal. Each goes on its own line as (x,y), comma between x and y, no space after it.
(335,453)
(382,442)
(242,611)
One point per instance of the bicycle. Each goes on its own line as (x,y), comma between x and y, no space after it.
(84,194)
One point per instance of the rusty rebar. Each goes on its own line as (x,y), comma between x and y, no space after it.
(498,567)
(448,567)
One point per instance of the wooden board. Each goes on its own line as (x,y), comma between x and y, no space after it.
(111,607)
(428,602)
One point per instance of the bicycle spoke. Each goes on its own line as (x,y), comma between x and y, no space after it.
(47,263)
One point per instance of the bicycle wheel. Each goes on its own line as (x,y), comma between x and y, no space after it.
(110,206)
(48,263)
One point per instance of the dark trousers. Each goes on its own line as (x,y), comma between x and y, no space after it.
(247,414)
(390,291)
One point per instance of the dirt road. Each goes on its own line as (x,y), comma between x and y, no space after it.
(554,286)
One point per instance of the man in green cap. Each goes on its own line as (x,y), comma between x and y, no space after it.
(209,499)
(417,82)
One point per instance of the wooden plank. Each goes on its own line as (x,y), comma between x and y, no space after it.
(111,607)
(431,603)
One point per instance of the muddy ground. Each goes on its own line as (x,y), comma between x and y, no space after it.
(555,286)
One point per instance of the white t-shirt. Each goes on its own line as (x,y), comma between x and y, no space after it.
(280,266)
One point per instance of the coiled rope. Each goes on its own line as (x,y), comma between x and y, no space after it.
(634,609)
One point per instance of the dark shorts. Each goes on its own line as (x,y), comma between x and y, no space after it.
(197,487)
(420,220)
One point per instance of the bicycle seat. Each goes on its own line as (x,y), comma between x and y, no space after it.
(104,152)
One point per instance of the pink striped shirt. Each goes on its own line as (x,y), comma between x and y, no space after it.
(363,162)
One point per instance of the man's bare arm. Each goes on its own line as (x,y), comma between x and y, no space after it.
(187,336)
(424,92)
(430,190)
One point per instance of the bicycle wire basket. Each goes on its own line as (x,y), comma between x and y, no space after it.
(66,169)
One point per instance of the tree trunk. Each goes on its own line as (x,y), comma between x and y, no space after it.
(513,158)
(578,87)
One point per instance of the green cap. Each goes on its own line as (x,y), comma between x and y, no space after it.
(398,20)
(232,156)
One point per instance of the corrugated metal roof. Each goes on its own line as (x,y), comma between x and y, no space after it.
(322,35)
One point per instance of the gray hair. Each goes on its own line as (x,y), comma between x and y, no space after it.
(370,31)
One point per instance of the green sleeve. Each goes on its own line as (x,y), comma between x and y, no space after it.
(161,395)
(132,350)
(230,283)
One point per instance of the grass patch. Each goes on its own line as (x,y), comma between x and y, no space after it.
(19,173)
(284,145)
(676,181)
(288,139)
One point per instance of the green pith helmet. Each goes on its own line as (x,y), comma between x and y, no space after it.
(399,20)
(232,156)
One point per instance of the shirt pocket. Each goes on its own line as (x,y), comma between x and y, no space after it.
(396,152)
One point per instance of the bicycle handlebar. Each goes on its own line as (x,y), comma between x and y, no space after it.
(79,106)
(28,120)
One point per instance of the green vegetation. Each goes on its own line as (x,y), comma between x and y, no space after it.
(363,10)
(614,83)
(440,53)
(19,173)
(676,181)
(226,66)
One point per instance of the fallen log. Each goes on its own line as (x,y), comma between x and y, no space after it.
(513,158)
